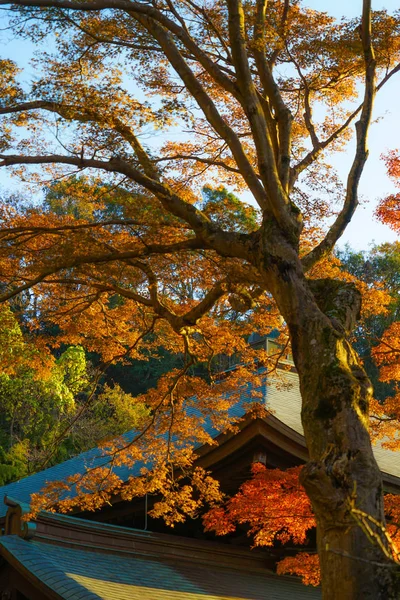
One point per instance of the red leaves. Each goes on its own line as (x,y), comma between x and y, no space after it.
(272,503)
(275,507)
(388,211)
(386,415)
(303,565)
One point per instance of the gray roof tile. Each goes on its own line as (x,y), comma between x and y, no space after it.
(110,577)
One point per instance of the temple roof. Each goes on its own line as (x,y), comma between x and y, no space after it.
(76,574)
(282,398)
(73,559)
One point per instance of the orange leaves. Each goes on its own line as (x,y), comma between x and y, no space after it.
(303,565)
(90,493)
(160,454)
(388,210)
(179,502)
(219,520)
(272,503)
(275,507)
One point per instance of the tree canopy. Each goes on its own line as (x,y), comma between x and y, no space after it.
(173,110)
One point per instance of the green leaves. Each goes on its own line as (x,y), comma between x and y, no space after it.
(228,211)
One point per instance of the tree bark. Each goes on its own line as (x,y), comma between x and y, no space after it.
(342,467)
(335,394)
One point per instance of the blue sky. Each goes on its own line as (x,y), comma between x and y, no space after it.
(384,134)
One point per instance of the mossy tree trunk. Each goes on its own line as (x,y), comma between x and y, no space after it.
(335,400)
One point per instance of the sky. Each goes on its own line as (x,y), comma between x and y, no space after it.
(384,135)
(364,230)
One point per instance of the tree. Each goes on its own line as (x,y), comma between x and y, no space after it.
(247,82)
(275,508)
(37,396)
(273,504)
(52,408)
(377,268)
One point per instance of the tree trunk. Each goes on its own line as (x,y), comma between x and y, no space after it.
(335,401)
(342,470)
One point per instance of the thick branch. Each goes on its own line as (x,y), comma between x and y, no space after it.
(361,154)
(147,250)
(207,106)
(180,323)
(267,166)
(308,120)
(54,229)
(282,114)
(170,200)
(226,243)
(212,296)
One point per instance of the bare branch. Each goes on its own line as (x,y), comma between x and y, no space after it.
(89,114)
(278,201)
(207,161)
(361,154)
(282,115)
(317,150)
(12,231)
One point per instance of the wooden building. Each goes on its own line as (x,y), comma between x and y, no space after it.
(119,554)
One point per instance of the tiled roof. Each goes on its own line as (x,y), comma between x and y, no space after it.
(76,574)
(286,405)
(282,398)
(23,489)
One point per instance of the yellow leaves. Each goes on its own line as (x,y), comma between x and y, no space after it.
(90,493)
(18,353)
(12,345)
(10,91)
(181,501)
(175,506)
